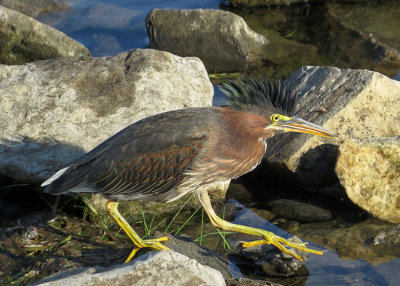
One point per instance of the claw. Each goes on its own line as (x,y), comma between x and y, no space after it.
(279,242)
(152,243)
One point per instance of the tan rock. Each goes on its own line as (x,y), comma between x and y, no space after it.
(369,170)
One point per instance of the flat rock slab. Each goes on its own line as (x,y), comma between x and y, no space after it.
(369,170)
(54,111)
(352,103)
(23,39)
(221,39)
(186,246)
(152,269)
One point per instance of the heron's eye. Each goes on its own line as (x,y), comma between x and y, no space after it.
(275,117)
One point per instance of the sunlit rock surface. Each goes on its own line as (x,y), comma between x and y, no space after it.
(152,269)
(221,39)
(369,170)
(52,112)
(23,39)
(352,103)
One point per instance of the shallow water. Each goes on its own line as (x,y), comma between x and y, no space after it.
(111,26)
(336,35)
(330,268)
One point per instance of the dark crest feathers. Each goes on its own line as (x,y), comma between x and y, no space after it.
(256,95)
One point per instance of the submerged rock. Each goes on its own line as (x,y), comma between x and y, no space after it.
(386,242)
(347,239)
(23,39)
(370,29)
(152,269)
(221,39)
(369,170)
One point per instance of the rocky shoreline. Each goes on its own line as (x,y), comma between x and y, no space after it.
(342,194)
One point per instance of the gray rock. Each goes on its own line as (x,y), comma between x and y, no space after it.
(369,170)
(186,246)
(300,211)
(352,103)
(152,269)
(221,39)
(23,39)
(54,111)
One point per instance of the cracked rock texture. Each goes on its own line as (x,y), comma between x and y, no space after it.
(369,170)
(56,110)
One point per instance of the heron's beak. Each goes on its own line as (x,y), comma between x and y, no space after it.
(295,124)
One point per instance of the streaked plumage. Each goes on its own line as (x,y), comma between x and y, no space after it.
(158,157)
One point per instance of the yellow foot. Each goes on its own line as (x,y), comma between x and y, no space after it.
(278,241)
(152,243)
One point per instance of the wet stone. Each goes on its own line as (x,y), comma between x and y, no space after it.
(386,242)
(300,211)
(267,260)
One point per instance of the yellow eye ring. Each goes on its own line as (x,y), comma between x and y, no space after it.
(275,117)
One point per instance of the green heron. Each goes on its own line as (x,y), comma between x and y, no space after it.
(165,156)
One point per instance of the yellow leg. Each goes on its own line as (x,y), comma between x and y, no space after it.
(112,208)
(268,237)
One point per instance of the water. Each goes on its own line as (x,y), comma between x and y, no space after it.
(341,35)
(330,268)
(111,26)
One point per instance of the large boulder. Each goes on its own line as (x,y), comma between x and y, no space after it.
(353,103)
(56,110)
(23,39)
(369,170)
(221,39)
(152,269)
